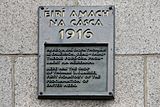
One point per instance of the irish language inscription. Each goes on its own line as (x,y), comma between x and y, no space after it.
(78,68)
(76,47)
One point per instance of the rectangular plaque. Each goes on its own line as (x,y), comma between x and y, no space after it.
(76,52)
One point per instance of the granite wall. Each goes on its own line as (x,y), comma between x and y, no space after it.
(137,65)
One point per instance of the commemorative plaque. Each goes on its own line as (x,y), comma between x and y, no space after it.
(76,52)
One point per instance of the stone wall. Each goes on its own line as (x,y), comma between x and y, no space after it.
(137,65)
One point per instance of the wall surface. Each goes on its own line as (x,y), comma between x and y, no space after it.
(137,65)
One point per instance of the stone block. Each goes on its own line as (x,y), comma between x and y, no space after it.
(136,32)
(153,81)
(129,83)
(5,81)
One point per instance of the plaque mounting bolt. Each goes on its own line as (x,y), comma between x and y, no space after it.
(110,8)
(42,8)
(41,93)
(110,93)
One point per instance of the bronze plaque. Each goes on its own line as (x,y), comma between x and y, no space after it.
(76,52)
